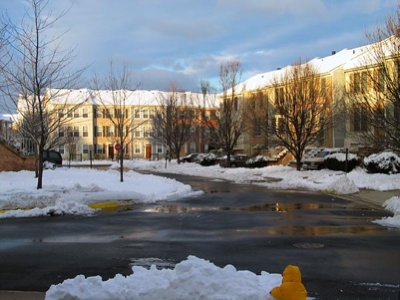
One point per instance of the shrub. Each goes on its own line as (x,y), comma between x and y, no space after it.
(208,159)
(257,162)
(384,162)
(337,162)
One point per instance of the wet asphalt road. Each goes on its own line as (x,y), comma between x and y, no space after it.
(341,254)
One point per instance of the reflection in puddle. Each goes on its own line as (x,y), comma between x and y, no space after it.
(314,230)
(148,262)
(275,207)
(121,208)
(82,238)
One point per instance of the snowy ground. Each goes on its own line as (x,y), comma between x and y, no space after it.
(70,191)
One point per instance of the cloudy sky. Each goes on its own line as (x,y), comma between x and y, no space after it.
(186,40)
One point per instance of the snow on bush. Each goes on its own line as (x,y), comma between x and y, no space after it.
(207,159)
(342,156)
(258,161)
(337,161)
(384,162)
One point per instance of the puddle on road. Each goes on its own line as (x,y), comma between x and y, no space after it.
(271,207)
(295,230)
(82,238)
(120,208)
(148,262)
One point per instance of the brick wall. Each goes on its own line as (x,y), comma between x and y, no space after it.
(11,160)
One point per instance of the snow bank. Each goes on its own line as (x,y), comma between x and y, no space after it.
(193,278)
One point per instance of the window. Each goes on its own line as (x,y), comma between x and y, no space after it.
(61,149)
(151,113)
(380,80)
(145,114)
(278,124)
(281,125)
(85,131)
(61,132)
(108,131)
(85,149)
(137,148)
(323,87)
(60,113)
(69,113)
(98,131)
(76,113)
(192,129)
(137,114)
(137,132)
(84,112)
(359,82)
(260,98)
(120,113)
(76,131)
(279,99)
(257,127)
(192,147)
(364,82)
(98,148)
(108,113)
(147,132)
(360,119)
(98,113)
(159,148)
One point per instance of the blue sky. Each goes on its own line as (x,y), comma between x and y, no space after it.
(186,40)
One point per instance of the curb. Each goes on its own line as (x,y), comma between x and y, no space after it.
(22,295)
(107,206)
(111,206)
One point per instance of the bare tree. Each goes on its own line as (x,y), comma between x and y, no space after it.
(374,89)
(174,120)
(115,101)
(302,111)
(34,62)
(70,144)
(228,123)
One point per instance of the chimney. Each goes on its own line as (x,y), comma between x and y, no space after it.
(333,52)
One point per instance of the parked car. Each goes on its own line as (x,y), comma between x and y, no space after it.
(52,158)
(317,162)
(238,160)
(190,157)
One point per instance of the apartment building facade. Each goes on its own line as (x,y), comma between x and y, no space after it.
(93,120)
(341,75)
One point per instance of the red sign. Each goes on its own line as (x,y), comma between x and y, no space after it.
(117,147)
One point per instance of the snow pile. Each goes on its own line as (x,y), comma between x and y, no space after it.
(193,278)
(70,191)
(393,205)
(280,177)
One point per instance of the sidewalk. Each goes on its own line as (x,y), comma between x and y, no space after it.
(376,198)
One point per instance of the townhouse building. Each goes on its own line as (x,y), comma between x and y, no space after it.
(341,74)
(92,119)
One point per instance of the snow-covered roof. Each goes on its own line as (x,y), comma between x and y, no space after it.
(131,98)
(346,58)
(372,54)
